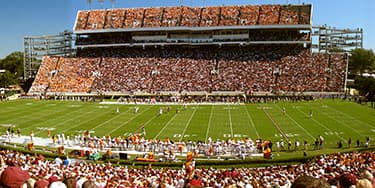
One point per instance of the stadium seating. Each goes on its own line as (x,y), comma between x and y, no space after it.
(81,20)
(210,16)
(45,74)
(96,19)
(74,75)
(171,17)
(243,69)
(248,69)
(229,15)
(269,15)
(153,17)
(249,15)
(192,16)
(134,18)
(288,16)
(114,19)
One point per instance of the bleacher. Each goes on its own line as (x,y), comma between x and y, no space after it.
(185,16)
(244,49)
(247,70)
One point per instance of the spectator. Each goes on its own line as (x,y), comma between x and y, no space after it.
(346,180)
(309,182)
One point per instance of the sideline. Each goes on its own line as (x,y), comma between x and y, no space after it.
(170,103)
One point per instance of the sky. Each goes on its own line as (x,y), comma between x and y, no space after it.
(19,18)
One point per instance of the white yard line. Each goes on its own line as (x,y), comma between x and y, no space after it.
(251,121)
(114,117)
(320,124)
(342,122)
(79,124)
(209,123)
(120,126)
(187,124)
(17,117)
(17,113)
(348,115)
(230,122)
(165,126)
(70,119)
(147,122)
(45,122)
(299,125)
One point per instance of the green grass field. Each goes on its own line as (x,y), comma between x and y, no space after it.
(334,120)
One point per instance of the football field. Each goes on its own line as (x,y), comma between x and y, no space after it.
(333,119)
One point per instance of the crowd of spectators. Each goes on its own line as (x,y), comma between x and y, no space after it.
(193,16)
(114,18)
(269,15)
(190,17)
(171,17)
(339,169)
(133,18)
(63,75)
(227,17)
(124,75)
(95,19)
(74,75)
(152,17)
(242,69)
(45,74)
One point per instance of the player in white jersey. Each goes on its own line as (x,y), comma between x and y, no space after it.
(160,111)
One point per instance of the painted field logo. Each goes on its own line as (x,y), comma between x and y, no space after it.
(75,106)
(81,131)
(235,136)
(7,125)
(289,135)
(45,128)
(185,136)
(333,133)
(264,108)
(196,108)
(230,108)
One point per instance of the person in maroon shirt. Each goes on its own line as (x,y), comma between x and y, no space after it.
(195,182)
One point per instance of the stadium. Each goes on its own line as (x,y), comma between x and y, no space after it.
(214,89)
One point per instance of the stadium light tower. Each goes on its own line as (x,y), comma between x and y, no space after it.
(90,3)
(101,2)
(346,71)
(113,3)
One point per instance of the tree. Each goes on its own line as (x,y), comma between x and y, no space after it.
(13,63)
(362,60)
(7,79)
(13,66)
(365,86)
